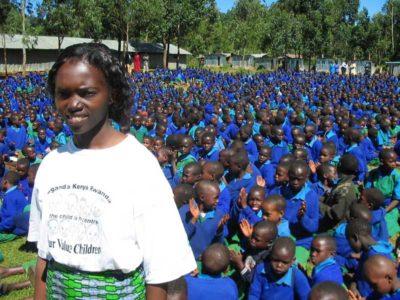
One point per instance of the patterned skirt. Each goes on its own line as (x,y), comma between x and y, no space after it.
(67,283)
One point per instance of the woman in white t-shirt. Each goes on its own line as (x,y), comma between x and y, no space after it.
(102,212)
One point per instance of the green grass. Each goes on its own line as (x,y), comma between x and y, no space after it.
(13,258)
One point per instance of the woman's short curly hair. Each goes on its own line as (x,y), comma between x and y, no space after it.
(100,56)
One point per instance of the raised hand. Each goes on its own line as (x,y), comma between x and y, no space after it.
(222,222)
(242,198)
(260,181)
(246,228)
(194,210)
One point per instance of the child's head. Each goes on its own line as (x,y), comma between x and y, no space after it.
(328,290)
(264,234)
(282,173)
(282,256)
(22,167)
(327,124)
(298,175)
(259,140)
(212,170)
(148,142)
(216,259)
(183,193)
(381,274)
(256,197)
(323,246)
(238,163)
(357,231)
(352,136)
(207,141)
(299,141)
(224,157)
(273,208)
(186,144)
(387,159)
(309,132)
(327,173)
(245,132)
(372,133)
(328,152)
(360,211)
(41,134)
(277,134)
(207,193)
(264,154)
(163,155)
(191,173)
(300,154)
(29,152)
(348,165)
(54,145)
(32,174)
(158,143)
(117,92)
(10,179)
(372,198)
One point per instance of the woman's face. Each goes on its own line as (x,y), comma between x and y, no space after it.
(81,96)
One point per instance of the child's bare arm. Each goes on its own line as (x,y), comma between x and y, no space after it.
(40,279)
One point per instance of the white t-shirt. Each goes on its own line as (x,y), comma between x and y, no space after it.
(108,209)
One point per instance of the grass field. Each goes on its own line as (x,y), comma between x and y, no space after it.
(12,258)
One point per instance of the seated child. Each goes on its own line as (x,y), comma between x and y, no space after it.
(184,155)
(211,284)
(300,154)
(214,171)
(313,144)
(329,133)
(250,146)
(249,207)
(202,221)
(273,209)
(182,194)
(278,145)
(322,256)
(386,178)
(22,170)
(259,242)
(277,277)
(358,233)
(334,207)
(42,145)
(267,169)
(327,177)
(373,199)
(208,151)
(191,173)
(328,290)
(29,152)
(368,144)
(163,157)
(148,142)
(13,204)
(281,176)
(302,207)
(352,139)
(381,274)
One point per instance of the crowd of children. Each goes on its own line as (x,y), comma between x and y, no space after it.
(286,183)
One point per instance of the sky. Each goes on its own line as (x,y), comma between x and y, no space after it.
(373,6)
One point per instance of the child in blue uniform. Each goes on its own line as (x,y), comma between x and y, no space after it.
(277,278)
(358,233)
(250,146)
(313,144)
(13,204)
(328,290)
(322,255)
(373,199)
(211,283)
(208,151)
(273,209)
(278,145)
(352,138)
(381,274)
(266,167)
(202,220)
(182,194)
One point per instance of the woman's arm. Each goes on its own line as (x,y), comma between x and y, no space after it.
(40,279)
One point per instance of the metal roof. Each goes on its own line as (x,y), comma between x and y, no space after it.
(42,42)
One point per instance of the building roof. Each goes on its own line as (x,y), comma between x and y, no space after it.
(158,48)
(42,42)
(392,62)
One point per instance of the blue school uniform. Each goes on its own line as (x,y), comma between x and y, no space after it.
(357,151)
(168,173)
(379,228)
(17,136)
(14,203)
(369,149)
(211,287)
(4,149)
(390,296)
(224,199)
(318,188)
(25,188)
(283,228)
(383,138)
(41,147)
(302,229)
(204,232)
(212,155)
(331,136)
(382,248)
(327,270)
(343,249)
(314,148)
(267,170)
(250,215)
(251,148)
(293,285)
(278,150)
